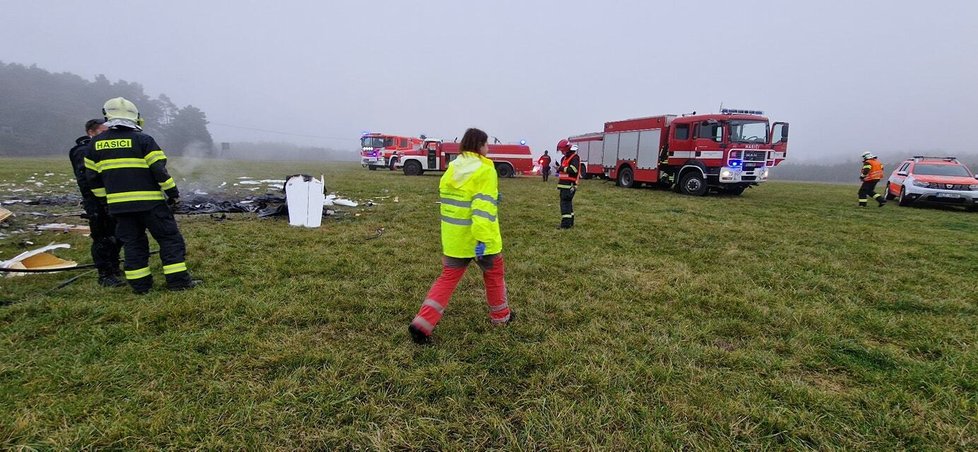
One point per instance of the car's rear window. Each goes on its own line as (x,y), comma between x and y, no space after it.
(940,170)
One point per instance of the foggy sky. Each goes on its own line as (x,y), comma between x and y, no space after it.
(887,76)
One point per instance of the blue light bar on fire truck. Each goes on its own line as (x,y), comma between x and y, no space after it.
(732,111)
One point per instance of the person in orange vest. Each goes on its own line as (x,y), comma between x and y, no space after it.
(871,174)
(469,196)
(544,163)
(568,174)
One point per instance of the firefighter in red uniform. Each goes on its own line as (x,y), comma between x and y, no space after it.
(126,172)
(568,175)
(544,163)
(871,174)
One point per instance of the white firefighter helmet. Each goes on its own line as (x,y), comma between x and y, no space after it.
(120,108)
(868,155)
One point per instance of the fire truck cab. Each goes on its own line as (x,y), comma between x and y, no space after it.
(376,148)
(726,152)
(434,155)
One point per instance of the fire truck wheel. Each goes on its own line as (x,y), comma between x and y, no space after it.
(693,184)
(626,178)
(412,168)
(505,170)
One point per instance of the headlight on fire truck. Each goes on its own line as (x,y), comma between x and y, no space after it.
(726,174)
(973,187)
(918,183)
(762,173)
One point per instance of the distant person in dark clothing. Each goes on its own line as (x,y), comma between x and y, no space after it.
(105,245)
(544,163)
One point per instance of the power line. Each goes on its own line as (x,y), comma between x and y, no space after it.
(256,129)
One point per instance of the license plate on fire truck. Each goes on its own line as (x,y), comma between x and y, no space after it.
(948,195)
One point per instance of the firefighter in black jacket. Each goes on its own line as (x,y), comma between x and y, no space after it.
(568,174)
(105,247)
(126,170)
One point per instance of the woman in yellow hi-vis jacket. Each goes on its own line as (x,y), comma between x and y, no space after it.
(469,193)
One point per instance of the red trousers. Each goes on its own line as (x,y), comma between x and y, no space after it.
(453,268)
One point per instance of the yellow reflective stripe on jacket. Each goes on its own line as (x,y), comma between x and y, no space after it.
(174,268)
(154,157)
(168,184)
(100,192)
(90,164)
(129,196)
(111,164)
(137,274)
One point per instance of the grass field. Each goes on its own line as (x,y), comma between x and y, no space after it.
(784,318)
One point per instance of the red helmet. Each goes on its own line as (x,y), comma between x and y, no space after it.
(563,146)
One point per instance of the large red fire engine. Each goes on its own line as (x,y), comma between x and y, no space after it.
(589,148)
(728,152)
(434,155)
(376,148)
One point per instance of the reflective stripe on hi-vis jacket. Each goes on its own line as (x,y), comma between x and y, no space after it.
(128,169)
(469,197)
(872,170)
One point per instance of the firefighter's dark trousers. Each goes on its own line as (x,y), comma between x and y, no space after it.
(131,231)
(545,170)
(105,246)
(868,190)
(567,206)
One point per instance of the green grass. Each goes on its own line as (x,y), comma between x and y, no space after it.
(784,318)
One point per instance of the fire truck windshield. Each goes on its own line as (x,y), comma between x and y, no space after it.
(376,142)
(748,131)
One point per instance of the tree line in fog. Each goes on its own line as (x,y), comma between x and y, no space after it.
(42,112)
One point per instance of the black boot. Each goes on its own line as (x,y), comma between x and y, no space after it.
(418,336)
(109,279)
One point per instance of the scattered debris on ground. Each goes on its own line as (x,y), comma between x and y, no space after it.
(64,228)
(38,259)
(53,198)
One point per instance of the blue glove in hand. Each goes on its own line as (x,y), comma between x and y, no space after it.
(480,249)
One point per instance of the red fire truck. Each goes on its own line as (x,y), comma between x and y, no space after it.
(726,152)
(434,155)
(589,148)
(376,148)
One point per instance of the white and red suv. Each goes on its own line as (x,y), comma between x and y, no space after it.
(940,180)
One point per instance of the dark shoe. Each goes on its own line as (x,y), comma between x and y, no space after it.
(881,201)
(418,336)
(512,316)
(179,287)
(110,281)
(140,291)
